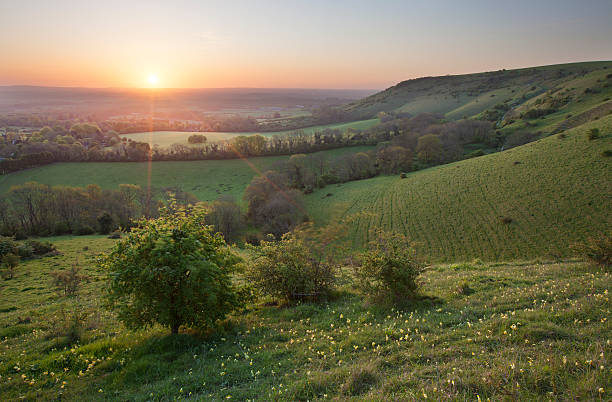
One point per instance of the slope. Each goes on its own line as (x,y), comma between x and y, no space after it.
(526,202)
(504,95)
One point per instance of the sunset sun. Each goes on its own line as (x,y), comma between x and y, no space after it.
(153,80)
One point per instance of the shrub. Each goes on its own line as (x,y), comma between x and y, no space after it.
(105,222)
(196,139)
(60,228)
(474,154)
(70,327)
(597,250)
(68,280)
(519,138)
(85,230)
(389,268)
(25,251)
(172,270)
(9,263)
(302,265)
(593,134)
(41,247)
(7,246)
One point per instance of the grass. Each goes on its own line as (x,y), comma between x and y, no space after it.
(526,202)
(207,179)
(527,331)
(167,138)
(468,95)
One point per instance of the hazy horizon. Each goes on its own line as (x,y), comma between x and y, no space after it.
(138,88)
(294,45)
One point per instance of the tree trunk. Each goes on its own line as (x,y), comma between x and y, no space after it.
(175,328)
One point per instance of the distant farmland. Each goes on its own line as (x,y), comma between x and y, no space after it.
(167,138)
(207,179)
(526,202)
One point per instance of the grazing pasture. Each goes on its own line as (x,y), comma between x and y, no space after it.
(519,331)
(167,138)
(207,179)
(530,201)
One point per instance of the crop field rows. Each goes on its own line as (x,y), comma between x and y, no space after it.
(530,201)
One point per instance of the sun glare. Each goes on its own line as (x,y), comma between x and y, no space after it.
(153,80)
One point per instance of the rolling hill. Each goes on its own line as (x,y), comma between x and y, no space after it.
(563,96)
(530,201)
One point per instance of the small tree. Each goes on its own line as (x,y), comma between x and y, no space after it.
(196,139)
(172,270)
(389,268)
(9,262)
(225,217)
(68,281)
(7,246)
(105,221)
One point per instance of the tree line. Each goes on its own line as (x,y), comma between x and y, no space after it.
(34,209)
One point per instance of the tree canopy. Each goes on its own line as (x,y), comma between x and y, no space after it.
(172,270)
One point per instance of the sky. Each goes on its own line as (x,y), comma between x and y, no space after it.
(289,43)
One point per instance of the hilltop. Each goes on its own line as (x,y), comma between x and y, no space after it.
(547,98)
(530,201)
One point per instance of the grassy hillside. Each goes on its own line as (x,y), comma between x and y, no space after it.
(167,138)
(206,179)
(527,332)
(555,191)
(570,89)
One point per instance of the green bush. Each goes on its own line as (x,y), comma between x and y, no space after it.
(172,270)
(9,263)
(84,230)
(25,251)
(389,268)
(300,266)
(41,247)
(7,246)
(61,228)
(106,223)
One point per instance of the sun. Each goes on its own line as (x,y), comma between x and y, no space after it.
(153,80)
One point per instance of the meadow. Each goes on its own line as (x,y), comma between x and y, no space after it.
(530,201)
(207,179)
(504,331)
(167,138)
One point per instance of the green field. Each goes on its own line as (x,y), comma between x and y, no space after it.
(206,179)
(167,138)
(537,331)
(555,191)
